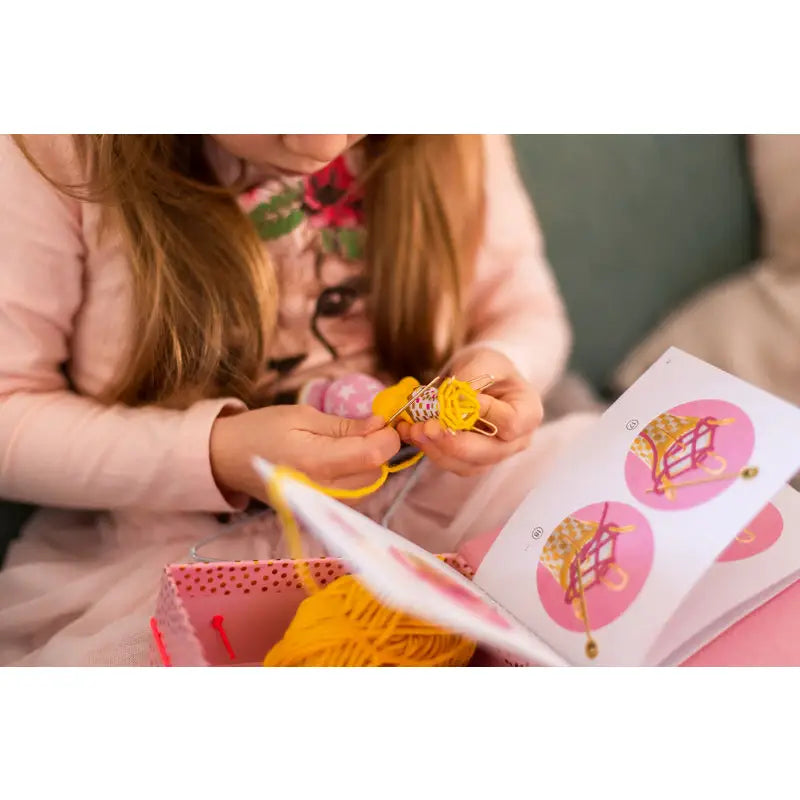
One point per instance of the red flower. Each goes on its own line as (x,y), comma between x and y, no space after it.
(330,198)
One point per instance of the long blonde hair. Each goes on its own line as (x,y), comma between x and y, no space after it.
(198,263)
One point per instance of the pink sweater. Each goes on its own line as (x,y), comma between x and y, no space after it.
(65,324)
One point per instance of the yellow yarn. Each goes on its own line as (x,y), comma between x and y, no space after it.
(387,402)
(458,405)
(344,625)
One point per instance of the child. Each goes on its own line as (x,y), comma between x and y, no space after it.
(164,300)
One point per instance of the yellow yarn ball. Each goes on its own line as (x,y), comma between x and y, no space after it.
(344,625)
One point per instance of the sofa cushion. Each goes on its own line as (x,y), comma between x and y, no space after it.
(634,225)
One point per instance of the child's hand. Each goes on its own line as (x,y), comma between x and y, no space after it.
(330,450)
(510,403)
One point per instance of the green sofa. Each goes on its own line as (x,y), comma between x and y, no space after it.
(633,225)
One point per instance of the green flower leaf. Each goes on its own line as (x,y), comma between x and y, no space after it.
(351,243)
(296,216)
(271,225)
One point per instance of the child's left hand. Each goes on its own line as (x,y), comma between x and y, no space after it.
(511,403)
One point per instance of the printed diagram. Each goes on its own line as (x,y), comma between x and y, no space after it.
(439,578)
(592,567)
(690,454)
(756,537)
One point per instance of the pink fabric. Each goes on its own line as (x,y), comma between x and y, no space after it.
(765,638)
(63,300)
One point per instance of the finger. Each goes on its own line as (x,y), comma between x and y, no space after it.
(331,425)
(475,449)
(515,413)
(468,449)
(421,431)
(527,402)
(458,467)
(500,414)
(330,458)
(444,462)
(403,430)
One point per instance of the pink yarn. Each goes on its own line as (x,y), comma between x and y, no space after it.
(350,396)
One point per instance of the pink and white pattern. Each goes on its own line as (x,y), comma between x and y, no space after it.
(350,396)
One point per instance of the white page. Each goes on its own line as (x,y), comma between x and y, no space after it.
(406,577)
(673,541)
(697,642)
(763,557)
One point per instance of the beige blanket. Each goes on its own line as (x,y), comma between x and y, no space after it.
(749,325)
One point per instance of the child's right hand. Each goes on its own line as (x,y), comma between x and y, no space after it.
(331,450)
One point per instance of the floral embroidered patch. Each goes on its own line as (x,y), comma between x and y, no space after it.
(329,200)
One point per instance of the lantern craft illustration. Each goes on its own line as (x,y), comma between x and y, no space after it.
(673,445)
(580,555)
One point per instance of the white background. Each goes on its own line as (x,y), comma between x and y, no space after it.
(685,67)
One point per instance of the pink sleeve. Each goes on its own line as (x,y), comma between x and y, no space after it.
(514,305)
(58,448)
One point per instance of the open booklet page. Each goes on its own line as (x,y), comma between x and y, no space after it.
(605,549)
(407,577)
(761,561)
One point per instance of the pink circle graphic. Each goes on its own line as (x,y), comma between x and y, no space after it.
(756,537)
(614,547)
(678,460)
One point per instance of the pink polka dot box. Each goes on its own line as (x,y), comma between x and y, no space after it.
(232,613)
